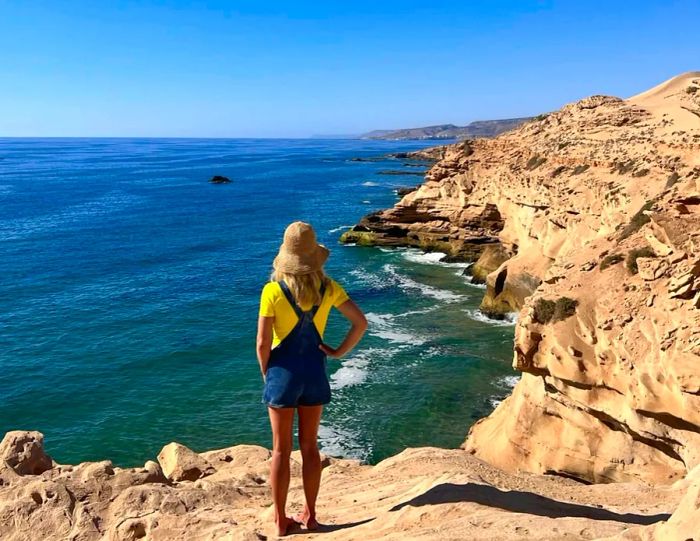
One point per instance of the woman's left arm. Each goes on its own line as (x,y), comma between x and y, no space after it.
(358,326)
(264,342)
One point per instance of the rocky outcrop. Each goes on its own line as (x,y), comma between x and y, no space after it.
(179,463)
(424,494)
(219,179)
(24,452)
(598,205)
(492,257)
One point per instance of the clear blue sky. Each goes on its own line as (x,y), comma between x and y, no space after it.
(295,68)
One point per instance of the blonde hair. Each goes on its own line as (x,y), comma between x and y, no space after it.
(305,288)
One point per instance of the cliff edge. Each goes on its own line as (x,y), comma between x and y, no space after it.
(423,493)
(587,222)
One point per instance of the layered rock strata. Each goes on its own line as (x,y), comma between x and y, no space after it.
(597,207)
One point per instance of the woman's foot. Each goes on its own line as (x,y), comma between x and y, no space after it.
(285,525)
(307,519)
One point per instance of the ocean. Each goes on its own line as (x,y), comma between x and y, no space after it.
(129,289)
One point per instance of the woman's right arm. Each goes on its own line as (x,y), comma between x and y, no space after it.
(358,327)
(264,342)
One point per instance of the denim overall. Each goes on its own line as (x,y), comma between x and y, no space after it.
(296,371)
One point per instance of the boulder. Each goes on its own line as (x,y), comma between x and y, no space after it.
(651,268)
(180,463)
(24,452)
(218,179)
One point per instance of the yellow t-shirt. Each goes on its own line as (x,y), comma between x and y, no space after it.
(274,303)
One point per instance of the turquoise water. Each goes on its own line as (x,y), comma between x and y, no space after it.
(129,289)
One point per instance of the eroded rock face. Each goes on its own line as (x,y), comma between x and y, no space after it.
(598,203)
(419,494)
(23,451)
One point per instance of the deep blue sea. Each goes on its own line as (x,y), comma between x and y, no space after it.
(129,290)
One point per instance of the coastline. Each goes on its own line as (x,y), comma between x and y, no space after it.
(608,290)
(222,494)
(169,311)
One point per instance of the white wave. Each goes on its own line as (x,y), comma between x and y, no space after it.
(354,370)
(508,383)
(415,312)
(404,282)
(367,202)
(468,281)
(339,228)
(341,442)
(383,326)
(370,183)
(429,258)
(423,257)
(477,315)
(368,278)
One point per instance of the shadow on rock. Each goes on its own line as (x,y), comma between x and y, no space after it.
(522,502)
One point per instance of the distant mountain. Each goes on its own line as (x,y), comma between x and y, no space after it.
(479,128)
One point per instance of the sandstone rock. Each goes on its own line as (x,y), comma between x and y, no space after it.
(651,268)
(24,452)
(180,463)
(420,494)
(612,382)
(493,256)
(681,286)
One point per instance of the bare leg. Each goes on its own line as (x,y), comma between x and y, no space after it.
(281,421)
(309,419)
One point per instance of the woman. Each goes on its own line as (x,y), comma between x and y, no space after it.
(294,308)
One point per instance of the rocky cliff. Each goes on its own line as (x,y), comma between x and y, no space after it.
(422,494)
(587,222)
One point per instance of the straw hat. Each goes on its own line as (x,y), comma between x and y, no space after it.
(300,253)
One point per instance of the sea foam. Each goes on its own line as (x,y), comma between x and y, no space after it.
(384,326)
(406,283)
(477,315)
(339,228)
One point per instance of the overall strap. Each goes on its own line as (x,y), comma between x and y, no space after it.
(290,298)
(314,309)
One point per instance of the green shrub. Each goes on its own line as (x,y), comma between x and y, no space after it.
(580,169)
(558,171)
(633,255)
(610,260)
(564,308)
(638,220)
(540,117)
(622,168)
(535,162)
(672,179)
(546,311)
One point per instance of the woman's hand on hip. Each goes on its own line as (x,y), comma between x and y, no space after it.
(331,352)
